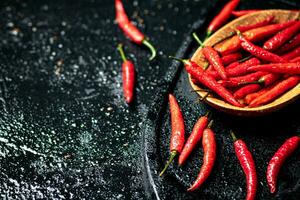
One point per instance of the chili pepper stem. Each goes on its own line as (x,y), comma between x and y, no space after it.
(151,47)
(195,36)
(184,61)
(234,138)
(172,156)
(201,90)
(120,49)
(207,114)
(244,59)
(210,124)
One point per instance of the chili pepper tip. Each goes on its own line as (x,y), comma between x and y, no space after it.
(151,47)
(195,36)
(233,136)
(173,154)
(120,49)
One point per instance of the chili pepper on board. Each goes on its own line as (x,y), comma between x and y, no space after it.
(199,74)
(242,80)
(254,35)
(128,76)
(209,148)
(280,38)
(246,160)
(292,54)
(222,17)
(247,27)
(258,51)
(177,127)
(238,13)
(193,139)
(294,42)
(214,59)
(130,30)
(247,89)
(286,150)
(276,91)
(280,68)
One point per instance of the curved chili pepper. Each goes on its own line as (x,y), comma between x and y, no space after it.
(280,38)
(222,17)
(265,22)
(128,76)
(292,54)
(276,91)
(238,13)
(243,91)
(294,42)
(242,80)
(130,30)
(258,51)
(209,148)
(214,59)
(230,58)
(280,68)
(199,74)
(177,136)
(246,160)
(286,150)
(254,35)
(193,139)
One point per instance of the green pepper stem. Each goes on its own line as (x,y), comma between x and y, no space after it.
(238,32)
(233,136)
(201,90)
(206,65)
(172,156)
(244,59)
(207,114)
(195,36)
(120,49)
(184,61)
(151,47)
(210,124)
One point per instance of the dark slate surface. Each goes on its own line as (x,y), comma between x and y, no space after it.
(65,131)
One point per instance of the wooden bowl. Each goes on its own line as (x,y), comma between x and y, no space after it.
(224,33)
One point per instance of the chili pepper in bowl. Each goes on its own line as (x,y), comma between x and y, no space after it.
(258,51)
(128,76)
(247,162)
(285,151)
(247,89)
(297,59)
(279,68)
(250,97)
(294,42)
(222,17)
(131,31)
(247,27)
(193,139)
(292,54)
(230,58)
(280,38)
(242,80)
(177,127)
(209,148)
(238,13)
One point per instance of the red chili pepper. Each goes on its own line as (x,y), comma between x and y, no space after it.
(250,97)
(242,80)
(238,13)
(177,136)
(254,35)
(294,42)
(243,91)
(230,58)
(209,148)
(292,54)
(297,59)
(199,74)
(214,59)
(276,91)
(232,65)
(130,30)
(265,22)
(222,17)
(258,51)
(193,139)
(280,68)
(247,162)
(280,38)
(128,76)
(286,150)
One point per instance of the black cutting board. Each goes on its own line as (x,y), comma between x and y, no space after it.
(263,136)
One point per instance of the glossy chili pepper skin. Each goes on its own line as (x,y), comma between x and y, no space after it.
(276,91)
(193,139)
(280,68)
(243,91)
(247,163)
(199,74)
(254,35)
(297,59)
(294,42)
(131,31)
(128,76)
(292,54)
(238,13)
(280,38)
(178,130)
(276,162)
(265,22)
(214,59)
(242,80)
(230,58)
(209,158)
(259,52)
(222,17)
(250,97)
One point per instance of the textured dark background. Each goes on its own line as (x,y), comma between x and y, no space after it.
(65,131)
